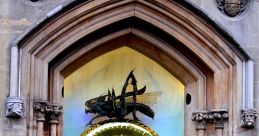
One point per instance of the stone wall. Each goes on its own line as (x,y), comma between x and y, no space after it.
(18,15)
(15,17)
(244,28)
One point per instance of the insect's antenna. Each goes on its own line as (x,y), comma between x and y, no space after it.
(135,89)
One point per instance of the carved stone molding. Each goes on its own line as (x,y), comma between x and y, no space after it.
(232,7)
(14,107)
(248,118)
(45,111)
(201,118)
(219,117)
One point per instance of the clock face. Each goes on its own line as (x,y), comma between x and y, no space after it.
(119,129)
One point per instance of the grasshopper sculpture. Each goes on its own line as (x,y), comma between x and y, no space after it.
(113,106)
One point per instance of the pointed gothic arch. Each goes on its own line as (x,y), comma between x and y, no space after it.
(174,34)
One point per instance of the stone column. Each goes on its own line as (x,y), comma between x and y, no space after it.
(14,104)
(53,111)
(201,119)
(39,113)
(219,117)
(46,112)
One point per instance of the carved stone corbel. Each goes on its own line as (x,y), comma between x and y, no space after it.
(14,107)
(201,119)
(219,117)
(232,7)
(248,118)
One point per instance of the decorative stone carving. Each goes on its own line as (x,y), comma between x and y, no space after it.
(53,111)
(14,107)
(248,118)
(201,118)
(232,7)
(219,117)
(39,110)
(47,111)
(216,116)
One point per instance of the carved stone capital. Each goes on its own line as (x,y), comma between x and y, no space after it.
(201,118)
(39,110)
(232,7)
(248,118)
(14,107)
(219,117)
(53,111)
(45,111)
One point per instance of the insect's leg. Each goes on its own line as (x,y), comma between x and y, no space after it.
(123,91)
(91,121)
(135,89)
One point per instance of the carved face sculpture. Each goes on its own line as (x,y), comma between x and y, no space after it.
(14,109)
(249,119)
(232,9)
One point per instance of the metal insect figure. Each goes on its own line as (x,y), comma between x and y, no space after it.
(117,107)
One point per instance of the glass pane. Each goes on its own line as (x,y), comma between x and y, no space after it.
(164,93)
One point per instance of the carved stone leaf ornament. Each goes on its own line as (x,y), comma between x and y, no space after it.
(232,8)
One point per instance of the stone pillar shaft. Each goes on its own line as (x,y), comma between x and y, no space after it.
(40,128)
(46,112)
(53,129)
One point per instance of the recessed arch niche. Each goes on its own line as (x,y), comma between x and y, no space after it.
(164,93)
(173,34)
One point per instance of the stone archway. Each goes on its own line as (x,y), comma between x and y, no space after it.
(185,43)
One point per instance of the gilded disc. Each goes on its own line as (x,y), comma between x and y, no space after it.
(110,128)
